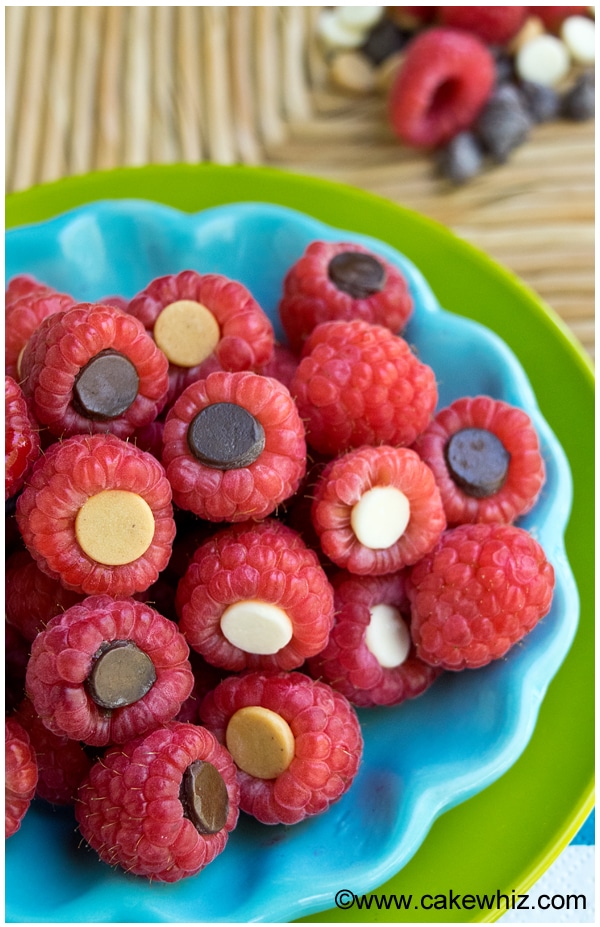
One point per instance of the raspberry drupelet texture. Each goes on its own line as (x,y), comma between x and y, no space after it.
(479,592)
(97,515)
(203,323)
(297,742)
(161,806)
(340,282)
(486,459)
(107,670)
(234,447)
(370,657)
(21,775)
(282,365)
(377,509)
(28,303)
(23,286)
(360,384)
(21,438)
(255,597)
(32,597)
(94,369)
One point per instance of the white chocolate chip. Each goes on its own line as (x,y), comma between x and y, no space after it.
(579,35)
(380,517)
(387,636)
(334,34)
(260,741)
(543,60)
(114,527)
(361,18)
(256,627)
(187,332)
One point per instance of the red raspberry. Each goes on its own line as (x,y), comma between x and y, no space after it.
(482,589)
(206,677)
(62,762)
(441,87)
(360,384)
(20,775)
(107,670)
(377,510)
(282,365)
(161,806)
(28,302)
(255,597)
(94,368)
(31,597)
(485,456)
(21,436)
(23,286)
(97,515)
(221,317)
(554,16)
(494,25)
(234,447)
(370,657)
(342,281)
(314,730)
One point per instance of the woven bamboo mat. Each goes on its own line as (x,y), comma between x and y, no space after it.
(92,88)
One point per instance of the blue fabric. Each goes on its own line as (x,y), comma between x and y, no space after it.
(586,835)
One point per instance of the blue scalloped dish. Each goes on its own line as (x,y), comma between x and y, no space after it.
(421,758)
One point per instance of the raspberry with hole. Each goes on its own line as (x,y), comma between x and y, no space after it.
(107,670)
(21,438)
(494,25)
(486,458)
(297,743)
(32,597)
(161,806)
(377,510)
(255,597)
(441,86)
(20,775)
(97,515)
(479,592)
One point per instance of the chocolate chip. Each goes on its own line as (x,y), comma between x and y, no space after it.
(358,274)
(106,386)
(204,797)
(504,123)
(543,103)
(384,39)
(579,103)
(461,159)
(121,674)
(477,461)
(226,436)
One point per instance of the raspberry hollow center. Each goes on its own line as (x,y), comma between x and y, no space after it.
(256,627)
(260,741)
(114,527)
(187,332)
(121,674)
(204,797)
(387,636)
(380,517)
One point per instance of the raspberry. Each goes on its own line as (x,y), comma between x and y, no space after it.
(482,589)
(342,281)
(297,742)
(203,323)
(494,25)
(22,317)
(360,384)
(486,459)
(234,447)
(20,773)
(441,87)
(255,597)
(377,510)
(97,515)
(62,762)
(370,657)
(282,365)
(24,286)
(162,805)
(107,670)
(22,440)
(31,597)
(206,677)
(554,16)
(93,368)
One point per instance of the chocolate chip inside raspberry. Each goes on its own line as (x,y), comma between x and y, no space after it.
(204,797)
(121,674)
(360,275)
(226,436)
(106,386)
(477,461)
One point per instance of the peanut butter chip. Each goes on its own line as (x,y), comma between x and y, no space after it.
(204,797)
(114,527)
(260,741)
(187,332)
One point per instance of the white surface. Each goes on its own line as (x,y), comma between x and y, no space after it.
(256,627)
(570,875)
(380,517)
(387,636)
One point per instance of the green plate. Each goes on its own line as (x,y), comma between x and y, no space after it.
(505,837)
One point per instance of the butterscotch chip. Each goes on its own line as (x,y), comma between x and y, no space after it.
(204,797)
(114,527)
(260,741)
(187,332)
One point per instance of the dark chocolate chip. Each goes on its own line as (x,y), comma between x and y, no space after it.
(384,40)
(204,797)
(226,436)
(358,274)
(121,674)
(106,386)
(579,103)
(504,123)
(461,159)
(477,461)
(543,103)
